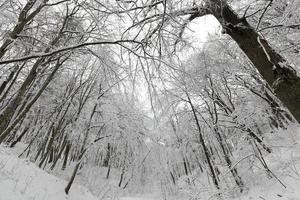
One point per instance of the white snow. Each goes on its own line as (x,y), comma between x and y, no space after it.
(284,162)
(22,180)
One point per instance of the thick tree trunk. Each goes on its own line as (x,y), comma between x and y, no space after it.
(272,67)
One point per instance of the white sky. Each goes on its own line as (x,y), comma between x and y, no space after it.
(197,33)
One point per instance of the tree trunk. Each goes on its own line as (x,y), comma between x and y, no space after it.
(238,180)
(10,77)
(10,110)
(68,147)
(107,156)
(205,149)
(122,176)
(272,67)
(7,114)
(68,187)
(19,138)
(12,82)
(23,18)
(58,156)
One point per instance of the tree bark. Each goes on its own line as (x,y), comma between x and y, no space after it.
(273,68)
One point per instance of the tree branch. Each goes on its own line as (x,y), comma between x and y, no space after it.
(42,55)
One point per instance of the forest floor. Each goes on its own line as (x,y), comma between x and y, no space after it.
(21,179)
(284,163)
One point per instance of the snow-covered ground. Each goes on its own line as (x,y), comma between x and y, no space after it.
(284,162)
(22,180)
(283,182)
